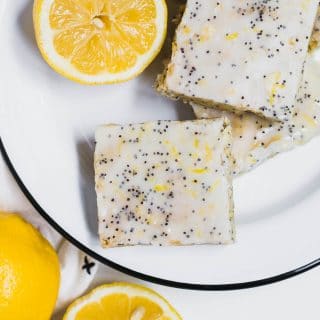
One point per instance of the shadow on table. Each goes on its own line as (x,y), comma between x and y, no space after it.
(85,150)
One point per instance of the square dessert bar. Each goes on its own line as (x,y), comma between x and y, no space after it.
(240,54)
(164,183)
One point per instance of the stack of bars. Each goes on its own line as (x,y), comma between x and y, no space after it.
(249,70)
(249,61)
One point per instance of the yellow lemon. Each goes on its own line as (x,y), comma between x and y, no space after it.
(29,271)
(121,301)
(99,41)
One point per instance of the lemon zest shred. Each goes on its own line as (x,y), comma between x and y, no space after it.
(232,36)
(161,187)
(209,153)
(276,85)
(173,150)
(186,30)
(311,122)
(215,185)
(199,170)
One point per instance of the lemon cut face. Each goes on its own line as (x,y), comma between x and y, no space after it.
(121,301)
(99,41)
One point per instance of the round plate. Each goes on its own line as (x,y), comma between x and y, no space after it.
(47,125)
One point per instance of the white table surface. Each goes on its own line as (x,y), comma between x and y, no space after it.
(296,298)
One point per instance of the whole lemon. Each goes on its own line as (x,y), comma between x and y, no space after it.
(29,271)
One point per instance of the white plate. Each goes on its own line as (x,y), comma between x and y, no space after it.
(47,125)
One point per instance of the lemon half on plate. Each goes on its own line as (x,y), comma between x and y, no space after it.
(121,301)
(99,41)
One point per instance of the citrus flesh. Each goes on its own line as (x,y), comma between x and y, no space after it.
(121,301)
(99,41)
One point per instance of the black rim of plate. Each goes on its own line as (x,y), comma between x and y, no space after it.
(139,275)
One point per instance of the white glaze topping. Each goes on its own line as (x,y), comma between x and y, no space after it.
(164,183)
(246,54)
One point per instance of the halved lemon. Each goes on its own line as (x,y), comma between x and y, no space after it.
(99,41)
(29,271)
(121,301)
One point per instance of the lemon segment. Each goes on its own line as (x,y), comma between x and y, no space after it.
(99,41)
(121,301)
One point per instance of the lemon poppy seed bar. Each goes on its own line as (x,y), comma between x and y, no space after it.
(240,55)
(164,183)
(256,139)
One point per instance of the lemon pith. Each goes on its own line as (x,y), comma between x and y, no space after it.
(29,271)
(121,301)
(99,41)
